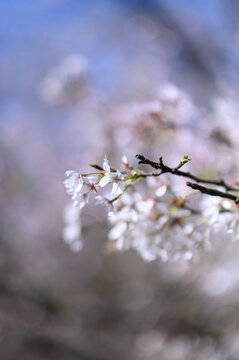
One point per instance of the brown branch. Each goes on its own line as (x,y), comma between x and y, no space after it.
(175,171)
(213,192)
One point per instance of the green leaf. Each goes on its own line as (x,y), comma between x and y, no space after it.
(95,166)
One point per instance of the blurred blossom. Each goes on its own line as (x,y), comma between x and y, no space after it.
(66,82)
(220,281)
(72,227)
(159,224)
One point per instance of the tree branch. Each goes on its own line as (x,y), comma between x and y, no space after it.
(175,171)
(213,192)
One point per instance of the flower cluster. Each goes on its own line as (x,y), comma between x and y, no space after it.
(221,216)
(161,217)
(83,188)
(147,222)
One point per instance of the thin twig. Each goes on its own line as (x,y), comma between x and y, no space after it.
(175,171)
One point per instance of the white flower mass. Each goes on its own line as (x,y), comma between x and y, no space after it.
(160,217)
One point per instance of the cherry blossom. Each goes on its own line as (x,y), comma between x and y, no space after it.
(156,213)
(112,176)
(82,189)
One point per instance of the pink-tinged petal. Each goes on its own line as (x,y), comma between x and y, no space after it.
(105,180)
(106,165)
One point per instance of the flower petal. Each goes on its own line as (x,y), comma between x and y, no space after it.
(90,196)
(161,190)
(105,180)
(124,159)
(79,186)
(119,175)
(116,191)
(70,173)
(121,185)
(117,230)
(106,165)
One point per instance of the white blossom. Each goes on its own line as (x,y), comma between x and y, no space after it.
(114,177)
(82,189)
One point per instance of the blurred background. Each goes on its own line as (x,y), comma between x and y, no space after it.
(65,69)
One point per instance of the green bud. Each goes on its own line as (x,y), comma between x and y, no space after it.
(185,160)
